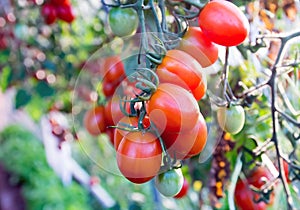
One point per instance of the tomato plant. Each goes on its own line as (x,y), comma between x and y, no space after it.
(169,183)
(172,108)
(139,156)
(223,23)
(184,189)
(196,44)
(94,120)
(129,22)
(231,119)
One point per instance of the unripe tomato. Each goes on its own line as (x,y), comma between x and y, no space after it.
(173,109)
(189,143)
(231,119)
(223,23)
(65,13)
(196,44)
(169,183)
(123,21)
(94,120)
(49,13)
(184,190)
(139,156)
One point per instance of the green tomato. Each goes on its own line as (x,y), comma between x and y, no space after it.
(231,119)
(123,21)
(169,183)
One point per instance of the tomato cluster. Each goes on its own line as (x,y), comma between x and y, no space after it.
(57,9)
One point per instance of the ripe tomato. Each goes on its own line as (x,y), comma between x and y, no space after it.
(110,132)
(65,13)
(94,120)
(139,156)
(113,69)
(108,88)
(184,190)
(123,21)
(231,119)
(181,69)
(223,23)
(60,2)
(189,143)
(169,183)
(173,109)
(196,44)
(49,13)
(244,195)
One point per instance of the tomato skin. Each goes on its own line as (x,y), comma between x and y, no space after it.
(231,119)
(123,21)
(189,143)
(200,91)
(108,88)
(113,69)
(173,109)
(139,156)
(196,44)
(223,23)
(169,183)
(184,190)
(94,120)
(49,13)
(180,68)
(65,13)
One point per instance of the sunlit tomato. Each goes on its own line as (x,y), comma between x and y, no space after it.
(223,23)
(244,196)
(131,122)
(173,109)
(231,119)
(169,183)
(196,44)
(189,143)
(181,69)
(184,190)
(113,69)
(94,120)
(139,156)
(65,13)
(49,13)
(123,21)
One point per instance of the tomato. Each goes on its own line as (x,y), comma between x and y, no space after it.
(244,195)
(196,44)
(108,88)
(123,21)
(169,183)
(94,120)
(49,13)
(223,23)
(173,109)
(65,13)
(110,132)
(60,2)
(231,119)
(113,69)
(189,143)
(139,156)
(184,190)
(181,69)
(199,91)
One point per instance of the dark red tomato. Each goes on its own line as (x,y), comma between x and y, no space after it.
(110,132)
(196,44)
(189,143)
(181,69)
(184,190)
(108,88)
(173,109)
(127,121)
(139,156)
(223,23)
(94,120)
(61,2)
(49,13)
(65,13)
(244,196)
(113,69)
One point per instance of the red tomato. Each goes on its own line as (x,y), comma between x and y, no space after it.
(199,91)
(244,195)
(184,190)
(173,109)
(49,13)
(196,44)
(94,120)
(110,133)
(108,88)
(65,13)
(189,143)
(223,23)
(181,69)
(113,69)
(61,2)
(139,156)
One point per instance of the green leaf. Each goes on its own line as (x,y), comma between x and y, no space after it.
(22,98)
(44,89)
(5,77)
